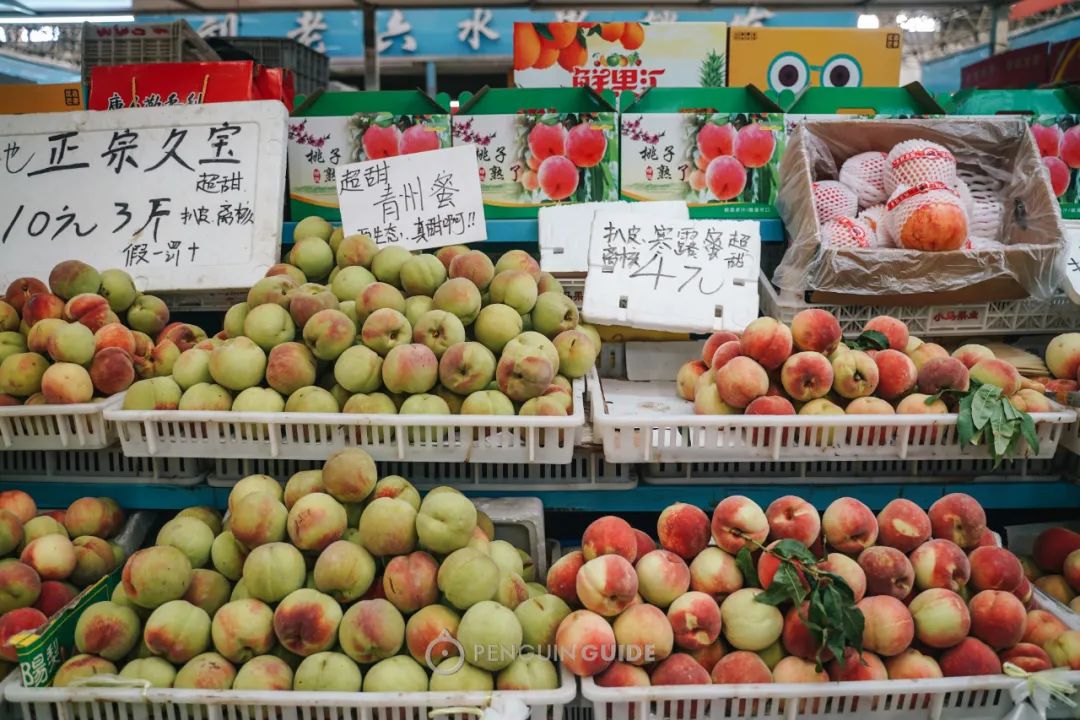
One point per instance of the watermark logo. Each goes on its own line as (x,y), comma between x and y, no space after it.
(444,644)
(437,651)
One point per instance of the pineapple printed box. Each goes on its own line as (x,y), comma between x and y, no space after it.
(620,56)
(541,147)
(718,149)
(333,129)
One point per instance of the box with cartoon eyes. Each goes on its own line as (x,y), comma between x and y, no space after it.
(784,61)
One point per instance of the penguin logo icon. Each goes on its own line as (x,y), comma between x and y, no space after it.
(432,662)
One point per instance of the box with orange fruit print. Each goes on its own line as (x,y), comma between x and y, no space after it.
(620,56)
(540,147)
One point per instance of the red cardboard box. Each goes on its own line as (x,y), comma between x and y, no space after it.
(113,87)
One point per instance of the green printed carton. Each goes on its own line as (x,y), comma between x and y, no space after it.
(1054,116)
(538,147)
(850,103)
(718,149)
(41,653)
(328,130)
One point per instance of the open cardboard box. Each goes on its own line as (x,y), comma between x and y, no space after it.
(1001,155)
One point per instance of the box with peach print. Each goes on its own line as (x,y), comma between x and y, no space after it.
(334,129)
(540,147)
(717,149)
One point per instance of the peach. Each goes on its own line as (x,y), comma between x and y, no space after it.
(306,622)
(411,369)
(912,665)
(112,371)
(736,520)
(793,518)
(208,590)
(926,352)
(707,397)
(1052,546)
(849,526)
(941,617)
(855,374)
(607,585)
(849,571)
(644,635)
(20,585)
(888,571)
(114,335)
(806,376)
(713,343)
(997,618)
(999,373)
(148,314)
(87,516)
(620,674)
(897,374)
(767,341)
(208,671)
(183,335)
(468,576)
(410,581)
(474,266)
(1064,650)
(586,643)
(243,629)
(21,289)
(797,638)
(740,667)
(540,617)
(15,622)
(708,656)
(425,632)
(371,630)
(1063,355)
(683,529)
(958,517)
(562,577)
(815,330)
(687,377)
(889,627)
(51,556)
(903,525)
(36,340)
(13,534)
(679,669)
(747,624)
(995,568)
(609,535)
(696,620)
(156,575)
(972,353)
(266,672)
(21,374)
(177,631)
(940,564)
(14,342)
(942,373)
(314,521)
(18,503)
(1031,401)
(895,331)
(349,475)
(79,667)
(42,307)
(94,560)
(259,518)
(108,630)
(89,310)
(796,670)
(662,577)
(728,351)
(769,405)
(857,666)
(1028,657)
(644,543)
(969,657)
(328,333)
(72,277)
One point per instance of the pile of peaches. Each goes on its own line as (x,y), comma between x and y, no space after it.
(773,369)
(937,595)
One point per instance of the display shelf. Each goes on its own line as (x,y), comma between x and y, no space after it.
(1002,317)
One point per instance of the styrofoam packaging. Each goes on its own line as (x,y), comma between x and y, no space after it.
(53,427)
(833,199)
(874,216)
(314,436)
(849,233)
(917,161)
(864,174)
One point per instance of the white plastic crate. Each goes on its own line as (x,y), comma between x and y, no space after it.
(587,470)
(120,703)
(314,436)
(852,471)
(54,427)
(110,465)
(1000,317)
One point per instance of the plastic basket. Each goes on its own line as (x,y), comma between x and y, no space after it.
(1002,317)
(143,43)
(52,427)
(310,68)
(114,703)
(99,466)
(587,470)
(314,436)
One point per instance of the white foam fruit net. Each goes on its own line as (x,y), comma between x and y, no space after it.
(833,199)
(912,162)
(927,216)
(864,174)
(848,233)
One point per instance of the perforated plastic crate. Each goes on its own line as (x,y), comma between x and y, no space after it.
(99,466)
(52,427)
(126,44)
(314,436)
(310,68)
(1002,317)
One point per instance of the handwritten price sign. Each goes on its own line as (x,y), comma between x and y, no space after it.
(182,198)
(420,201)
(681,275)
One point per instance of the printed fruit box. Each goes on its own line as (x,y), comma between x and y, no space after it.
(333,129)
(881,103)
(541,147)
(1054,116)
(717,149)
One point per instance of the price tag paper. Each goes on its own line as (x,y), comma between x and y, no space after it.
(419,201)
(185,197)
(681,275)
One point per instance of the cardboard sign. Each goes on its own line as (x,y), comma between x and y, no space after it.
(115,87)
(182,198)
(421,201)
(17,99)
(568,252)
(1072,259)
(691,275)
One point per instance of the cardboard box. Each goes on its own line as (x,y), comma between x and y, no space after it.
(541,147)
(1026,263)
(332,129)
(717,149)
(620,56)
(61,97)
(785,61)
(1054,116)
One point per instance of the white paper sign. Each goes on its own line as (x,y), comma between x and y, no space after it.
(680,275)
(564,229)
(1072,259)
(185,197)
(420,201)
